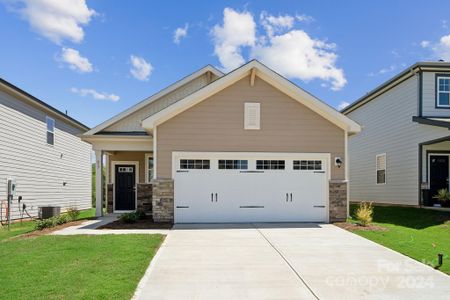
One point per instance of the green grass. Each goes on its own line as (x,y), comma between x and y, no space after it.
(418,233)
(75,267)
(18,228)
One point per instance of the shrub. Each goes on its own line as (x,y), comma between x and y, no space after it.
(131,217)
(52,222)
(364,213)
(443,196)
(141,214)
(73,213)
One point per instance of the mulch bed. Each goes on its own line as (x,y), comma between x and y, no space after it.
(140,224)
(353,227)
(46,231)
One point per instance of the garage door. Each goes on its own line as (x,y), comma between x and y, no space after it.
(250,187)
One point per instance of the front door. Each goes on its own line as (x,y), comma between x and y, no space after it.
(438,173)
(125,196)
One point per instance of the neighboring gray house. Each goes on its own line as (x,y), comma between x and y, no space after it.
(40,149)
(404,145)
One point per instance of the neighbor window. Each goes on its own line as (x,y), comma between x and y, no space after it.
(230,164)
(50,131)
(194,163)
(443,92)
(148,167)
(252,117)
(270,164)
(381,168)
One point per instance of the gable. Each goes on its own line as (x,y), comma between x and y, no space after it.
(133,121)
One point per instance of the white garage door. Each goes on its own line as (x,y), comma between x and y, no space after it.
(250,187)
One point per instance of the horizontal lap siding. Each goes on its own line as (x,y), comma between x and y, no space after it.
(217,124)
(388,128)
(429,96)
(41,169)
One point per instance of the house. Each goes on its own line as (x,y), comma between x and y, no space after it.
(40,150)
(404,146)
(245,146)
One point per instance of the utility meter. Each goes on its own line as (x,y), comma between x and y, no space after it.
(11,187)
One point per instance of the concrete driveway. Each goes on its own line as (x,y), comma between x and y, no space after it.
(283,261)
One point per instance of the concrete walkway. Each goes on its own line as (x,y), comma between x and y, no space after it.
(90,227)
(279,261)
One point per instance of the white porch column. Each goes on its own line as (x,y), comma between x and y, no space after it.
(99,183)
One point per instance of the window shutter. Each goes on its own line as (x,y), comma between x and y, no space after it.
(252,116)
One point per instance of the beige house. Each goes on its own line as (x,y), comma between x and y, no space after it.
(247,146)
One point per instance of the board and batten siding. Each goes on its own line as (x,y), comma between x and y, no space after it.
(133,121)
(387,127)
(217,125)
(38,168)
(429,96)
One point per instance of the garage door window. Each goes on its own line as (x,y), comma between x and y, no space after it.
(229,164)
(307,165)
(200,164)
(270,164)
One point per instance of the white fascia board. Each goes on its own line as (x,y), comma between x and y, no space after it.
(154,97)
(266,74)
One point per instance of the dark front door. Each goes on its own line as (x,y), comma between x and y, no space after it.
(125,187)
(438,173)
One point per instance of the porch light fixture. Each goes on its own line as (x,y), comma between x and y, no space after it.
(338,162)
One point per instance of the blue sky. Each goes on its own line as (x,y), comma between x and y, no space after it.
(96,58)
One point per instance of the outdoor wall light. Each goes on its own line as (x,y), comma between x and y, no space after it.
(338,162)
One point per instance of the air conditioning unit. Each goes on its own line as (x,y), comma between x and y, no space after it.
(45,212)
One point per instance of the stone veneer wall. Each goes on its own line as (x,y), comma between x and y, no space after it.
(144,197)
(163,205)
(109,198)
(338,200)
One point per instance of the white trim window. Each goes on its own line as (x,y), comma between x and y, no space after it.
(443,92)
(252,118)
(50,130)
(381,168)
(149,167)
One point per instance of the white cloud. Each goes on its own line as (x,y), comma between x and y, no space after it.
(94,94)
(180,33)
(75,61)
(56,20)
(289,51)
(238,30)
(440,49)
(304,18)
(343,105)
(140,69)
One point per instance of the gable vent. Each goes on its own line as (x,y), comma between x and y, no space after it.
(252,118)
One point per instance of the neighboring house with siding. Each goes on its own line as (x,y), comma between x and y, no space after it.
(239,147)
(404,146)
(40,149)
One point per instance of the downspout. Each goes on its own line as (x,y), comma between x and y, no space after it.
(419,96)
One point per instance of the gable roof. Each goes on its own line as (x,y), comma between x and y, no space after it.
(9,87)
(400,77)
(265,74)
(154,97)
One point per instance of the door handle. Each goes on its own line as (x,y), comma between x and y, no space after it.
(291,197)
(287,197)
(212,199)
(216,197)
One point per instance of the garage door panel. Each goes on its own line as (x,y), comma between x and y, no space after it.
(250,194)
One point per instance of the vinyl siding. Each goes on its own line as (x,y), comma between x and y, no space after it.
(217,124)
(133,121)
(429,96)
(40,169)
(388,128)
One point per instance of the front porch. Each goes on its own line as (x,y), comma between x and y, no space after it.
(435,169)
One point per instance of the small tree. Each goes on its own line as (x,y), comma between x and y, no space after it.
(364,213)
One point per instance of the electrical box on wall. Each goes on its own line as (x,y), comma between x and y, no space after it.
(11,186)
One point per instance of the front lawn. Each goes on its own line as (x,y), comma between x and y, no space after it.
(417,233)
(75,267)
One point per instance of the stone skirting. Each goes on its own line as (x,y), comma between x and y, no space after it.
(109,198)
(163,205)
(338,200)
(144,197)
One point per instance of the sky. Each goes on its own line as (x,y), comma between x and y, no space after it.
(96,58)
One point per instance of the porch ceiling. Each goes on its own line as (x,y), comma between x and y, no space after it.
(119,142)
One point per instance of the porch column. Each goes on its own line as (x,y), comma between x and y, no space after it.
(98,183)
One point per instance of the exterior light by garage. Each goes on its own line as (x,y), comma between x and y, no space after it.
(338,162)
